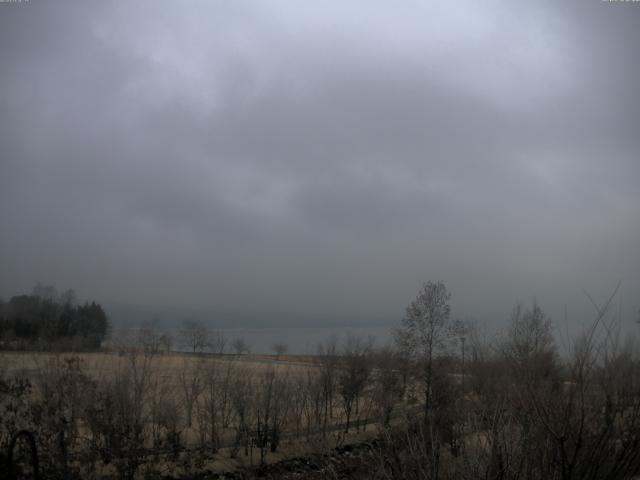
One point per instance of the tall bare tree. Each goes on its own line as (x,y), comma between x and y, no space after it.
(192,385)
(215,410)
(217,342)
(280,348)
(148,337)
(240,346)
(195,336)
(423,335)
(387,386)
(329,360)
(354,374)
(425,330)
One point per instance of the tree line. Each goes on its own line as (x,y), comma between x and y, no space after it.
(447,402)
(46,319)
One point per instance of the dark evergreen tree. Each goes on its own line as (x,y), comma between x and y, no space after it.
(46,319)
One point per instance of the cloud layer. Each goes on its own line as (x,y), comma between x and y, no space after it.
(293,162)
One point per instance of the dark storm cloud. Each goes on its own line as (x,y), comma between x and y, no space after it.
(280,161)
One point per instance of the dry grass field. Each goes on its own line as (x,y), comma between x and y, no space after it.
(104,364)
(185,412)
(511,408)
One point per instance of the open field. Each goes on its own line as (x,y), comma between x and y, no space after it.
(213,412)
(98,364)
(514,409)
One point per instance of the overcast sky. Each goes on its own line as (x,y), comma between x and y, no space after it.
(288,162)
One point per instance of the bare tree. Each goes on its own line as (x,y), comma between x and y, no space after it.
(425,330)
(192,385)
(314,392)
(215,409)
(195,336)
(62,384)
(270,410)
(164,413)
(46,292)
(241,395)
(423,335)
(217,342)
(166,342)
(328,358)
(280,348)
(354,374)
(149,338)
(530,344)
(240,346)
(68,298)
(299,402)
(388,388)
(117,414)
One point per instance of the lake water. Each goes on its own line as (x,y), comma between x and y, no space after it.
(302,340)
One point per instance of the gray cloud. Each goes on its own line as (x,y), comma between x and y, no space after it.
(290,162)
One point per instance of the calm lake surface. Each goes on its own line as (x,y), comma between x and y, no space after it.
(300,340)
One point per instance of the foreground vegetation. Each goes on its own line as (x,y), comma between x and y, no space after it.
(443,404)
